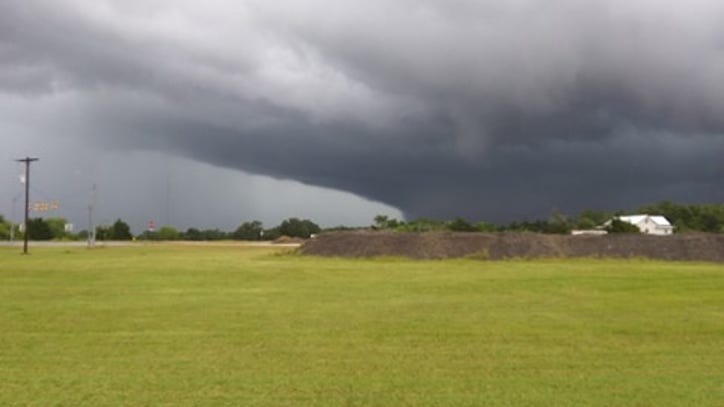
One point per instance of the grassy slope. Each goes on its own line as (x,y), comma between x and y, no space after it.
(234,326)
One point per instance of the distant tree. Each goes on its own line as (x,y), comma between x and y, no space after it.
(558,223)
(538,226)
(192,234)
(486,227)
(710,222)
(120,231)
(380,222)
(271,234)
(342,228)
(4,229)
(249,231)
(422,225)
(38,229)
(168,233)
(295,227)
(461,225)
(103,232)
(589,219)
(147,235)
(619,226)
(57,227)
(383,222)
(213,234)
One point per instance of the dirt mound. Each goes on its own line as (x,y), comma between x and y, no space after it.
(494,246)
(288,240)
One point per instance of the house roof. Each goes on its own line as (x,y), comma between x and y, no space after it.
(660,220)
(635,219)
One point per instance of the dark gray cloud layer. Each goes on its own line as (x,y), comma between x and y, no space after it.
(491,110)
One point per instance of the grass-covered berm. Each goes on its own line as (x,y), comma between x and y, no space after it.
(197,326)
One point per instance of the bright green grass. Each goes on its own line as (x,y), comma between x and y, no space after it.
(187,326)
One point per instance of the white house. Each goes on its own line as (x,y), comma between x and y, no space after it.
(648,224)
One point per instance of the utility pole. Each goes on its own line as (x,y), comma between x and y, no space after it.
(91,225)
(27,161)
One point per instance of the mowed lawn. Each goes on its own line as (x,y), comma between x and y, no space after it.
(198,325)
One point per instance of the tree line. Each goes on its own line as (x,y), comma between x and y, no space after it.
(54,229)
(252,231)
(684,217)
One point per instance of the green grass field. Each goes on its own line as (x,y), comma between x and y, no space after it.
(196,326)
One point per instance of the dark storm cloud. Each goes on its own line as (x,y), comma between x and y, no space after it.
(477,108)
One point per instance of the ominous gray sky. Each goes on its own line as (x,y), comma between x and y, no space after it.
(491,110)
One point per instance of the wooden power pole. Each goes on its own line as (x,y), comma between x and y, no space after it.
(27,161)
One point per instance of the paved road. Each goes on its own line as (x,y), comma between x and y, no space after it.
(17,243)
(61,244)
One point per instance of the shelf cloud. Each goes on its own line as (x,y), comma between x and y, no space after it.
(484,109)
